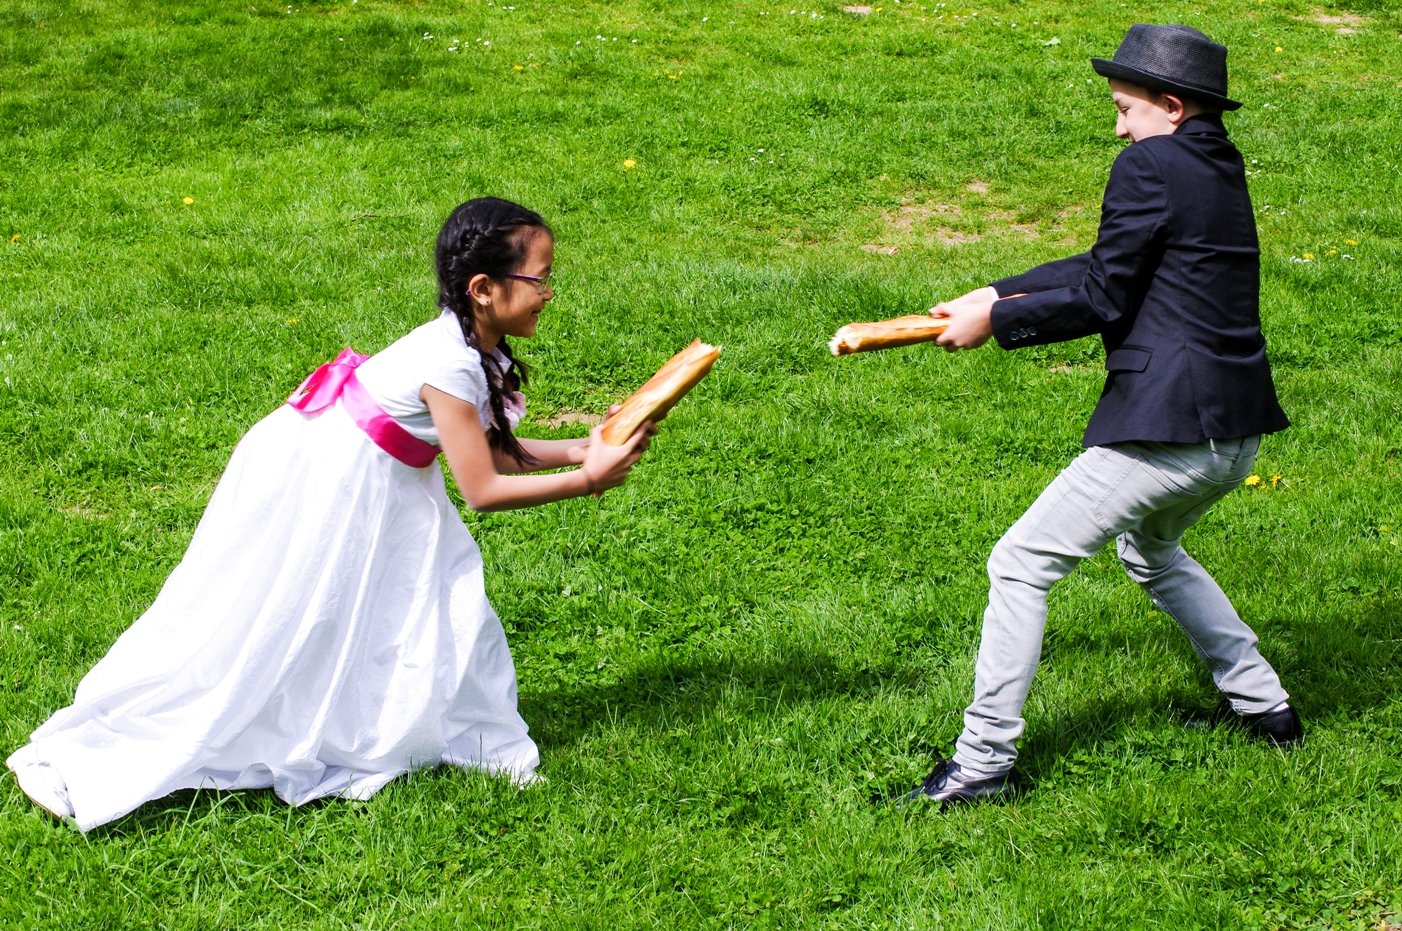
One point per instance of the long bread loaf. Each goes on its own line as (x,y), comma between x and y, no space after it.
(660,392)
(886,334)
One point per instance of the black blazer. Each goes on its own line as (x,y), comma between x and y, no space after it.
(1172,286)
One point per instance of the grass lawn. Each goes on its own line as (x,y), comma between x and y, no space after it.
(775,620)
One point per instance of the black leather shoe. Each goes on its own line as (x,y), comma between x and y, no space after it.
(948,784)
(1282,728)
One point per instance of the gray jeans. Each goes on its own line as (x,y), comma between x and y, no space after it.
(1146,495)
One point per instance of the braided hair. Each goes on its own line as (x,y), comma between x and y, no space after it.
(487,236)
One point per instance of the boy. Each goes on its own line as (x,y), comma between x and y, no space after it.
(1171,286)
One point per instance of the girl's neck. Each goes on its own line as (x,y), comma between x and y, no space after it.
(486,339)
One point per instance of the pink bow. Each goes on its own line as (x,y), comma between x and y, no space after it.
(322,387)
(336,381)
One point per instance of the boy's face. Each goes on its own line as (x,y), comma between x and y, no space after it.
(1143,113)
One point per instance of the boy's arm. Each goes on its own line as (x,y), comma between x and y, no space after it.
(1084,294)
(971,315)
(1058,273)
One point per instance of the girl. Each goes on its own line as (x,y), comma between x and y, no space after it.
(328,630)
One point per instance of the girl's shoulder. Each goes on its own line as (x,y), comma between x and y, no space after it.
(434,352)
(438,342)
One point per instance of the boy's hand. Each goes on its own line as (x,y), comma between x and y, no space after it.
(970,319)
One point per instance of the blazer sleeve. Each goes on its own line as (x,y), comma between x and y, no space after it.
(1061,273)
(1086,294)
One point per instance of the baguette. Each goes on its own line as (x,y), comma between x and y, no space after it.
(660,392)
(886,334)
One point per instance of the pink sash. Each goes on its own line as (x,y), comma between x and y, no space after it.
(336,379)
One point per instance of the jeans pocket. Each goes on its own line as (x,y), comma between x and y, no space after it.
(1194,462)
(1234,458)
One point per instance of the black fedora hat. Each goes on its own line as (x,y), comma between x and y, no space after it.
(1176,59)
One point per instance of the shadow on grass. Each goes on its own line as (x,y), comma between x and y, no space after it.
(660,693)
(1335,664)
(1342,661)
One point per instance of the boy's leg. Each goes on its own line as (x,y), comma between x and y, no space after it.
(1184,591)
(1104,492)
(1067,523)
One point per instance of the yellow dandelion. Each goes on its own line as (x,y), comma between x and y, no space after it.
(293,321)
(1308,256)
(1278,49)
(518,67)
(629,164)
(1350,242)
(1276,479)
(14,238)
(188,201)
(1252,481)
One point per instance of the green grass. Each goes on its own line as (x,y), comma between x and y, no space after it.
(775,620)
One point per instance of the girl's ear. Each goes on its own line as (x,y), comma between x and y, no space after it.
(479,288)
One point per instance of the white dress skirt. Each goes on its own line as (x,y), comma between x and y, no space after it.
(326,631)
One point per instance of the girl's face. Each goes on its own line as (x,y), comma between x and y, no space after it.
(513,304)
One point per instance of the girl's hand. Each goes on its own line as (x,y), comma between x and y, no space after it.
(607,466)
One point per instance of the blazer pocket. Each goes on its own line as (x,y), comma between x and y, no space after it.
(1128,359)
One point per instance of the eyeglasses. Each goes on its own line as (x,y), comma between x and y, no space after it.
(541,284)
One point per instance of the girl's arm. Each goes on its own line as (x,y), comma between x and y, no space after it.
(549,454)
(486,488)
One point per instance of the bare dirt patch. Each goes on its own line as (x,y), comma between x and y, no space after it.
(908,216)
(1005,220)
(948,237)
(1346,24)
(948,225)
(857,9)
(978,187)
(565,418)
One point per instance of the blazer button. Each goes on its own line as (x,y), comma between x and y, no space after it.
(1031,331)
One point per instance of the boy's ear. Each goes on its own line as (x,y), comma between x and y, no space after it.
(1173,105)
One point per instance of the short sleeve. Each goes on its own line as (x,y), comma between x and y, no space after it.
(464,380)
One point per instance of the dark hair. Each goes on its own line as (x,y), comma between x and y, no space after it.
(487,236)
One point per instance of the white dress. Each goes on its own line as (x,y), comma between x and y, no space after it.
(326,630)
